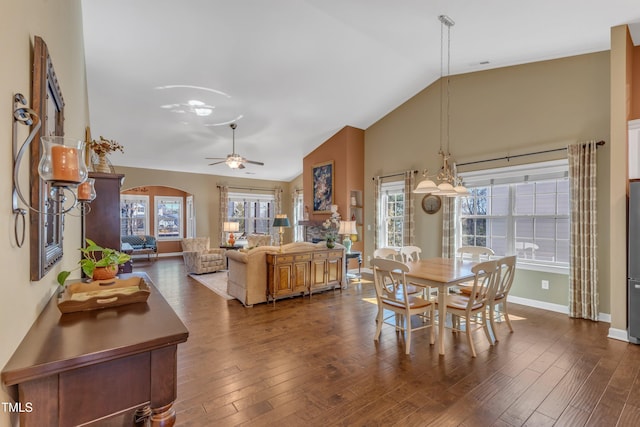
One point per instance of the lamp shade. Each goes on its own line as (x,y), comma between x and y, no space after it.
(230,227)
(281,220)
(347,228)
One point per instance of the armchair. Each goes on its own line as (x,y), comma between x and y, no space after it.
(199,258)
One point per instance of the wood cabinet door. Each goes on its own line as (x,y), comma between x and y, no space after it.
(300,276)
(318,273)
(283,279)
(334,271)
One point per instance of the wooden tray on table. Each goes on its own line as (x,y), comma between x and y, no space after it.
(98,294)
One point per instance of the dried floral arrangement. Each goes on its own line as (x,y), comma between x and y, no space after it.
(105,146)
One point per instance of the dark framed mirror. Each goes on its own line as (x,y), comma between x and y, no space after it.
(45,228)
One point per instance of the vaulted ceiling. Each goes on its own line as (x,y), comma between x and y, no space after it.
(165,78)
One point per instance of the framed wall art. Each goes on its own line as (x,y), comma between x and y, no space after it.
(323,187)
(45,226)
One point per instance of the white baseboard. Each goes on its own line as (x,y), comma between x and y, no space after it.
(152,256)
(558,308)
(618,334)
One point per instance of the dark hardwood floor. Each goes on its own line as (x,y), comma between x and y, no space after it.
(315,363)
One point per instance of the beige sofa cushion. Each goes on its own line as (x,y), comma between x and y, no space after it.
(254,240)
(247,278)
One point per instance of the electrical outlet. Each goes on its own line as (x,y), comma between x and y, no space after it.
(545,284)
(368,258)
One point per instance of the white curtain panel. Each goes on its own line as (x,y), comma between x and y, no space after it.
(448,226)
(408,229)
(222,216)
(583,273)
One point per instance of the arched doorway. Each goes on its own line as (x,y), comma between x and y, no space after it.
(165,213)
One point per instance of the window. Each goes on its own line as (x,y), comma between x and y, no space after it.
(522,210)
(134,215)
(391,211)
(298,215)
(254,212)
(168,217)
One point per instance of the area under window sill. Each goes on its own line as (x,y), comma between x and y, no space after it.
(522,265)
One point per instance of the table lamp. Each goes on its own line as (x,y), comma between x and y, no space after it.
(347,228)
(281,221)
(230,227)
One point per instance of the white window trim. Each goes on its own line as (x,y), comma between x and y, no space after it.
(146,211)
(397,187)
(254,197)
(180,202)
(521,173)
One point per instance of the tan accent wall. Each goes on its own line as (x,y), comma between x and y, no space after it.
(496,113)
(635,85)
(153,191)
(59,23)
(620,101)
(346,150)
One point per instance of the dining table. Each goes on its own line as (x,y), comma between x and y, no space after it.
(440,273)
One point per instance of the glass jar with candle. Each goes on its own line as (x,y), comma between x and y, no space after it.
(62,161)
(87,190)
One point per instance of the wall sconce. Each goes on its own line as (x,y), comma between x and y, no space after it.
(61,166)
(231,227)
(281,221)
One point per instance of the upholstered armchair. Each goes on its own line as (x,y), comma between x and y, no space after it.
(200,258)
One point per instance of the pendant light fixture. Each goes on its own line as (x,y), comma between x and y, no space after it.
(449,184)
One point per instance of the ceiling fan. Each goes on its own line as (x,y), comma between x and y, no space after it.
(233,160)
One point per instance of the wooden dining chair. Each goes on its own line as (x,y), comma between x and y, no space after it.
(410,253)
(472,309)
(391,294)
(475,253)
(389,253)
(498,305)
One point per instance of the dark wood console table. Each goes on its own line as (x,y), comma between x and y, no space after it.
(79,368)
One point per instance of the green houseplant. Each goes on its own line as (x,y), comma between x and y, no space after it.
(94,257)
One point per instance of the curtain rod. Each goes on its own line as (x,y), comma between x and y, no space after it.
(393,174)
(507,158)
(249,188)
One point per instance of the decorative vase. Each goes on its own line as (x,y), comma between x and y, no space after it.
(347,244)
(104,273)
(331,243)
(103,164)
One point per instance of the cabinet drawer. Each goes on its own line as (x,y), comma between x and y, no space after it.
(320,255)
(282,258)
(301,258)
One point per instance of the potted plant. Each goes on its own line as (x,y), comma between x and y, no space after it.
(97,262)
(102,147)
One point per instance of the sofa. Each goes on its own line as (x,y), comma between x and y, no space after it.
(254,240)
(247,275)
(141,244)
(199,258)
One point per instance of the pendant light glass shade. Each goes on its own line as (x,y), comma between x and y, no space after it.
(426,186)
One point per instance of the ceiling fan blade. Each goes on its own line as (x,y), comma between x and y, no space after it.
(217,163)
(254,162)
(215,158)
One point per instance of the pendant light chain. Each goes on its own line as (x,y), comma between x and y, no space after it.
(449,183)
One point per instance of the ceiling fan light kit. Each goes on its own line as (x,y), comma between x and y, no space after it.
(233,160)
